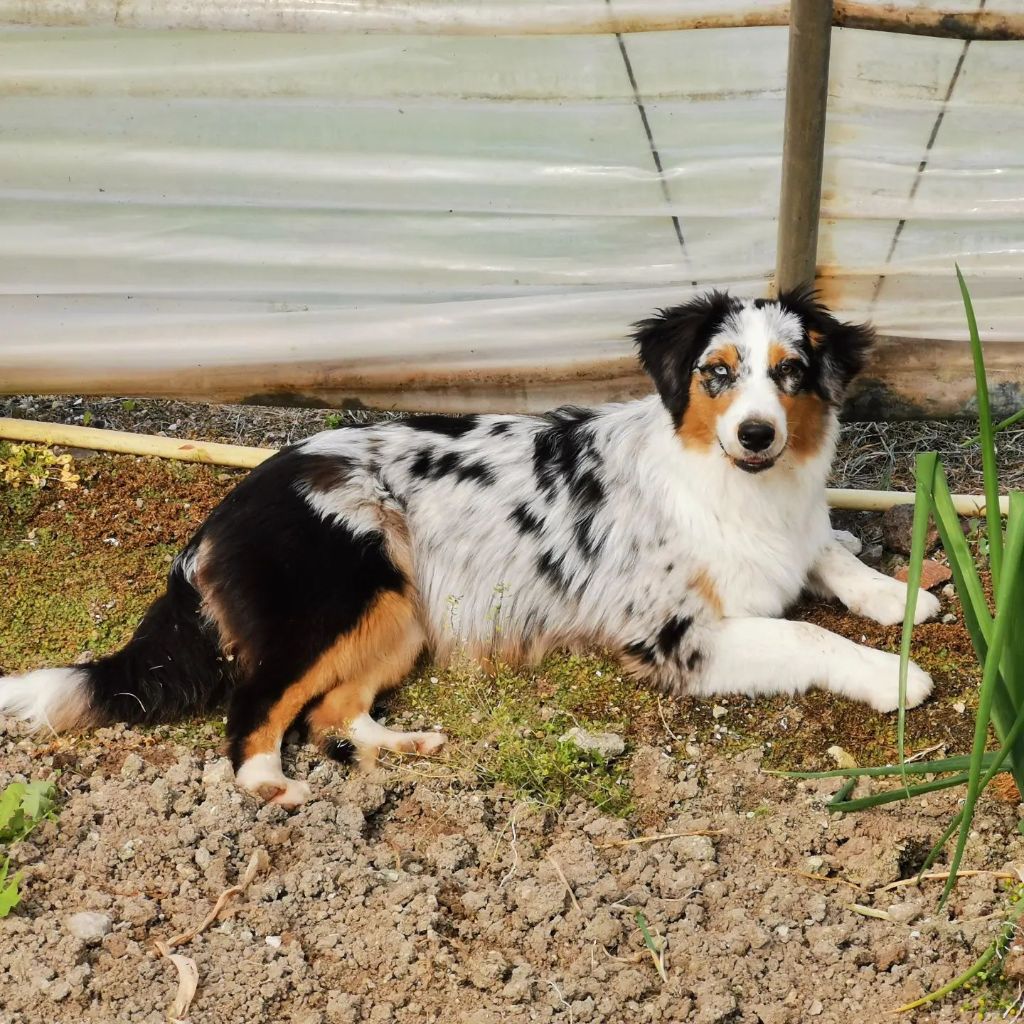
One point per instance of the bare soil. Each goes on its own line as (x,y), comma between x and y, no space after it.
(416,894)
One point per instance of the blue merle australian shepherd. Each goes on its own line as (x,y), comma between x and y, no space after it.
(673,530)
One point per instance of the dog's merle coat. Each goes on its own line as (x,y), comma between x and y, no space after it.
(672,530)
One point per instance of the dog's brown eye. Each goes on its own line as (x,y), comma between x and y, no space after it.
(791,368)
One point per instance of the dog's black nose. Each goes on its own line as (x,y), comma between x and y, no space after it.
(756,435)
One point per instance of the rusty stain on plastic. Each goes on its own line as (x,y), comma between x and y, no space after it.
(975,25)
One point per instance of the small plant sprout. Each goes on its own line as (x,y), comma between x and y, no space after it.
(655,944)
(23,806)
(35,466)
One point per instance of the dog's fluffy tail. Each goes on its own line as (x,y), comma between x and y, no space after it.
(172,667)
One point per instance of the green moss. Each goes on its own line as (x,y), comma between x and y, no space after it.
(56,603)
(507,725)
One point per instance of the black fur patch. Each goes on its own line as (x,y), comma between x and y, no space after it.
(642,652)
(841,350)
(565,456)
(325,473)
(499,428)
(429,465)
(526,521)
(672,632)
(550,568)
(694,660)
(450,426)
(671,343)
(266,573)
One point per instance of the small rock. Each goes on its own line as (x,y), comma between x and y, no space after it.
(274,941)
(698,848)
(932,574)
(607,744)
(949,618)
(719,712)
(872,555)
(949,591)
(897,529)
(59,990)
(814,865)
(89,926)
(1013,966)
(842,758)
(218,773)
(816,1008)
(133,766)
(904,913)
(959,707)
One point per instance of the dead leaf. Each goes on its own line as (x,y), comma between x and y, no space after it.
(188,982)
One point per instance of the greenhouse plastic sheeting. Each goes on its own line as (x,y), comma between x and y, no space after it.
(458,205)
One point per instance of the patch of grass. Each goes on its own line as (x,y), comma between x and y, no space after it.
(508,723)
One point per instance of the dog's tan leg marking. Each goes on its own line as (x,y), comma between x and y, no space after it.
(373,656)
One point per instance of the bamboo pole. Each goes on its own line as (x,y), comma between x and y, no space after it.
(133,444)
(244,457)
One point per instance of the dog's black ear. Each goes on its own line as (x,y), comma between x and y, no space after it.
(840,350)
(671,343)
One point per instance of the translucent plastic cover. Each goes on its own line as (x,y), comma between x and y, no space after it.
(465,205)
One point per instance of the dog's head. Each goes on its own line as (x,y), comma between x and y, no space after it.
(753,378)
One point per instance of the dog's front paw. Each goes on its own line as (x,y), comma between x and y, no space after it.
(886,696)
(886,603)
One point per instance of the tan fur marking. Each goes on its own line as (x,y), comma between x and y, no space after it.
(777,354)
(806,419)
(373,656)
(213,608)
(817,338)
(698,429)
(702,582)
(730,356)
(76,712)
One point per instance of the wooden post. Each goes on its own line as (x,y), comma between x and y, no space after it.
(803,148)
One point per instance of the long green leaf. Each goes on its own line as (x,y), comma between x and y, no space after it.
(988,444)
(960,763)
(989,682)
(1010,421)
(976,616)
(925,470)
(893,795)
(994,763)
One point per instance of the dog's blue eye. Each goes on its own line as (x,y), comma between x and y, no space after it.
(720,371)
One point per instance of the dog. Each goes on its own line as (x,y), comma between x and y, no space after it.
(674,530)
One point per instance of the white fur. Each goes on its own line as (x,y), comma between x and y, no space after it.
(752,332)
(369,737)
(50,698)
(262,773)
(669,514)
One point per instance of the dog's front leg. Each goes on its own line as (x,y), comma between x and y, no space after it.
(839,573)
(761,656)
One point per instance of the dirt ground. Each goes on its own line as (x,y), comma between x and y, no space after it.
(416,894)
(498,883)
